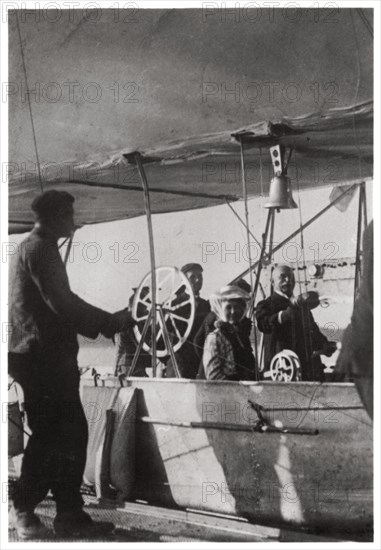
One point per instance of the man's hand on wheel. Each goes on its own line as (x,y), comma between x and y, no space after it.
(119,322)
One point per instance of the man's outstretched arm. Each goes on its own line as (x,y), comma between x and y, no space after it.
(48,272)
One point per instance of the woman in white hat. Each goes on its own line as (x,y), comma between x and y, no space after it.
(227,352)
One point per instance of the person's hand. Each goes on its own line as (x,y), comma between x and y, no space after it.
(309,299)
(329,348)
(119,322)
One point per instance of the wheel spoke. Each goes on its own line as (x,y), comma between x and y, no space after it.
(171,334)
(178,306)
(142,318)
(159,333)
(161,282)
(162,329)
(176,329)
(173,296)
(178,317)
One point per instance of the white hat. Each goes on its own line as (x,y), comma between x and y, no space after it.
(233,292)
(229,292)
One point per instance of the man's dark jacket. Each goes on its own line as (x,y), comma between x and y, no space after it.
(297,332)
(45,315)
(45,318)
(187,356)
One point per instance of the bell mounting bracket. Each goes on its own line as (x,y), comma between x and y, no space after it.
(278,157)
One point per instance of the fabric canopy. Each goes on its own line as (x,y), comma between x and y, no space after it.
(182,87)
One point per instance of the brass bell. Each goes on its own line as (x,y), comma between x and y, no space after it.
(280,195)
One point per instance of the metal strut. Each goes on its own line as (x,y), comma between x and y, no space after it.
(147,204)
(156,312)
(140,344)
(362,222)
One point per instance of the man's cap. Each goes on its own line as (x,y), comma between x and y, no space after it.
(52,203)
(191,267)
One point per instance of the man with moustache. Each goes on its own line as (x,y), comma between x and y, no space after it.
(287,323)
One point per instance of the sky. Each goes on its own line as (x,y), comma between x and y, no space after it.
(110,259)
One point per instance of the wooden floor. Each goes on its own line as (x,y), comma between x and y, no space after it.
(138,522)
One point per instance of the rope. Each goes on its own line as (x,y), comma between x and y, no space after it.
(244,189)
(29,104)
(292,388)
(361,195)
(304,313)
(261,170)
(364,19)
(308,408)
(241,220)
(19,427)
(301,228)
(67,252)
(357,92)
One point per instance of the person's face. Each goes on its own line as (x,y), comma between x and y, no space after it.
(283,280)
(194,276)
(64,224)
(234,310)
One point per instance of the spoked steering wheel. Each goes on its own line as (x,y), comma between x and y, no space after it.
(175,310)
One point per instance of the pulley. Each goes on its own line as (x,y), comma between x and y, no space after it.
(284,367)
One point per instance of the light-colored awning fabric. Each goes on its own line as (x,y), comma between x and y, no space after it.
(175,85)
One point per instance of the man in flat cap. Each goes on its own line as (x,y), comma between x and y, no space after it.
(186,357)
(46,317)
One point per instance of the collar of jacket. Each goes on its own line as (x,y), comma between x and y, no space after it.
(283,295)
(44,232)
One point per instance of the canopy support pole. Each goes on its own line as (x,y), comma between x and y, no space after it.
(138,160)
(244,193)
